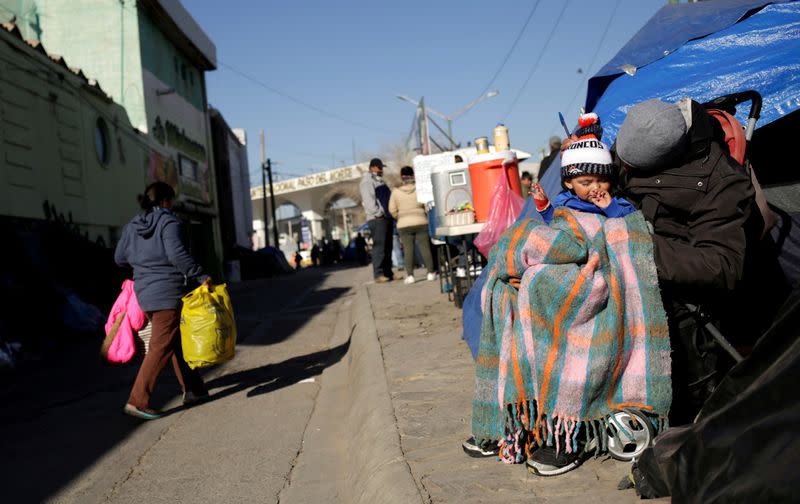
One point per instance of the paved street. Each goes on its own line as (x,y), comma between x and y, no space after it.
(66,440)
(340,392)
(431,376)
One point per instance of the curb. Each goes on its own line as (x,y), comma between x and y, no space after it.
(377,470)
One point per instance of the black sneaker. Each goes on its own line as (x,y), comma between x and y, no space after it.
(480,450)
(546,462)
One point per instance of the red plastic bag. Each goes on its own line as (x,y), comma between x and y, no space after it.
(506,207)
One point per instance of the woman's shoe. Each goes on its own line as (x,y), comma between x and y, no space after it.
(432,276)
(409,280)
(144,413)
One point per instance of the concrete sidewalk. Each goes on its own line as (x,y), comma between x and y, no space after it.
(430,375)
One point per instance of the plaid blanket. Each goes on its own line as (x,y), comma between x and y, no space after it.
(573,330)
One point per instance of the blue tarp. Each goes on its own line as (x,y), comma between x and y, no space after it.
(760,52)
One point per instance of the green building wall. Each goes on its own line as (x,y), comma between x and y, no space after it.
(115,43)
(49,121)
(101,37)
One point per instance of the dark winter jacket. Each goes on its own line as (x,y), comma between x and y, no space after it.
(152,244)
(701,210)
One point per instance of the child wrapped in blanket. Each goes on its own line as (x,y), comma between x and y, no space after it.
(587,174)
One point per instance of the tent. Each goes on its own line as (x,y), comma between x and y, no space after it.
(705,50)
(743,447)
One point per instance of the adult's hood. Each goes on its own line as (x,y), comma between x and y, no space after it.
(407,188)
(145,224)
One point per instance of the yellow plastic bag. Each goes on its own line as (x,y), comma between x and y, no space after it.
(208,330)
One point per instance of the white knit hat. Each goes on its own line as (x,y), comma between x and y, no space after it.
(587,155)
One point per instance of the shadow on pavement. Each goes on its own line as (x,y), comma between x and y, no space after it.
(61,414)
(275,376)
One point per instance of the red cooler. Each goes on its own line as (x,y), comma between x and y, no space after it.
(484,170)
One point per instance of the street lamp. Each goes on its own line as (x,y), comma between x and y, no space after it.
(451,118)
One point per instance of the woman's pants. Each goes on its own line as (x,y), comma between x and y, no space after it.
(165,344)
(407,237)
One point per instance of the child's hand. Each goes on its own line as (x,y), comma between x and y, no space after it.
(539,196)
(537,192)
(600,198)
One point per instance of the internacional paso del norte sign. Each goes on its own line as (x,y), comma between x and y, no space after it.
(351,172)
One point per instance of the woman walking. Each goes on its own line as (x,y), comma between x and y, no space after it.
(152,244)
(412,224)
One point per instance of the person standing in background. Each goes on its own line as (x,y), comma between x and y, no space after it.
(526,180)
(412,224)
(555,148)
(375,196)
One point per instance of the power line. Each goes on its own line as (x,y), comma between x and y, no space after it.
(536,63)
(135,6)
(301,102)
(511,50)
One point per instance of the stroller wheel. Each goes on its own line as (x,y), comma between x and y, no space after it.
(629,434)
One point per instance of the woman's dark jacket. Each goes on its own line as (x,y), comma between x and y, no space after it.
(152,244)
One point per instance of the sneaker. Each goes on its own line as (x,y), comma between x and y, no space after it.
(382,279)
(409,280)
(546,462)
(432,276)
(143,413)
(475,450)
(190,398)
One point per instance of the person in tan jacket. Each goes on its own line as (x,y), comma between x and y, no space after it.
(412,224)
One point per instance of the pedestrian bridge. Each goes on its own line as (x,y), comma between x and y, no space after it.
(327,204)
(311,207)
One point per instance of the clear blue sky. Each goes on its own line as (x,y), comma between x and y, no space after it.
(351,58)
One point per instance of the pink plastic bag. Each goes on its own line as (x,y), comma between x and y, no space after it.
(125,318)
(506,207)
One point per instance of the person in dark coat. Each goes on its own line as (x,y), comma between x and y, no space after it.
(699,200)
(152,244)
(701,205)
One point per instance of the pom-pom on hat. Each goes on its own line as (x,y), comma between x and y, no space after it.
(587,155)
(589,124)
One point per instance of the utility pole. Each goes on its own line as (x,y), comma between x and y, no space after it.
(264,192)
(450,134)
(266,171)
(423,128)
(268,168)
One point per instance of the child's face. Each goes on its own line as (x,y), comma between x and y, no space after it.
(587,186)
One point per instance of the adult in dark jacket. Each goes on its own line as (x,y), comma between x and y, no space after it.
(701,205)
(152,244)
(699,200)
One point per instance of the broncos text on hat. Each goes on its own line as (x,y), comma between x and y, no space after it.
(587,155)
